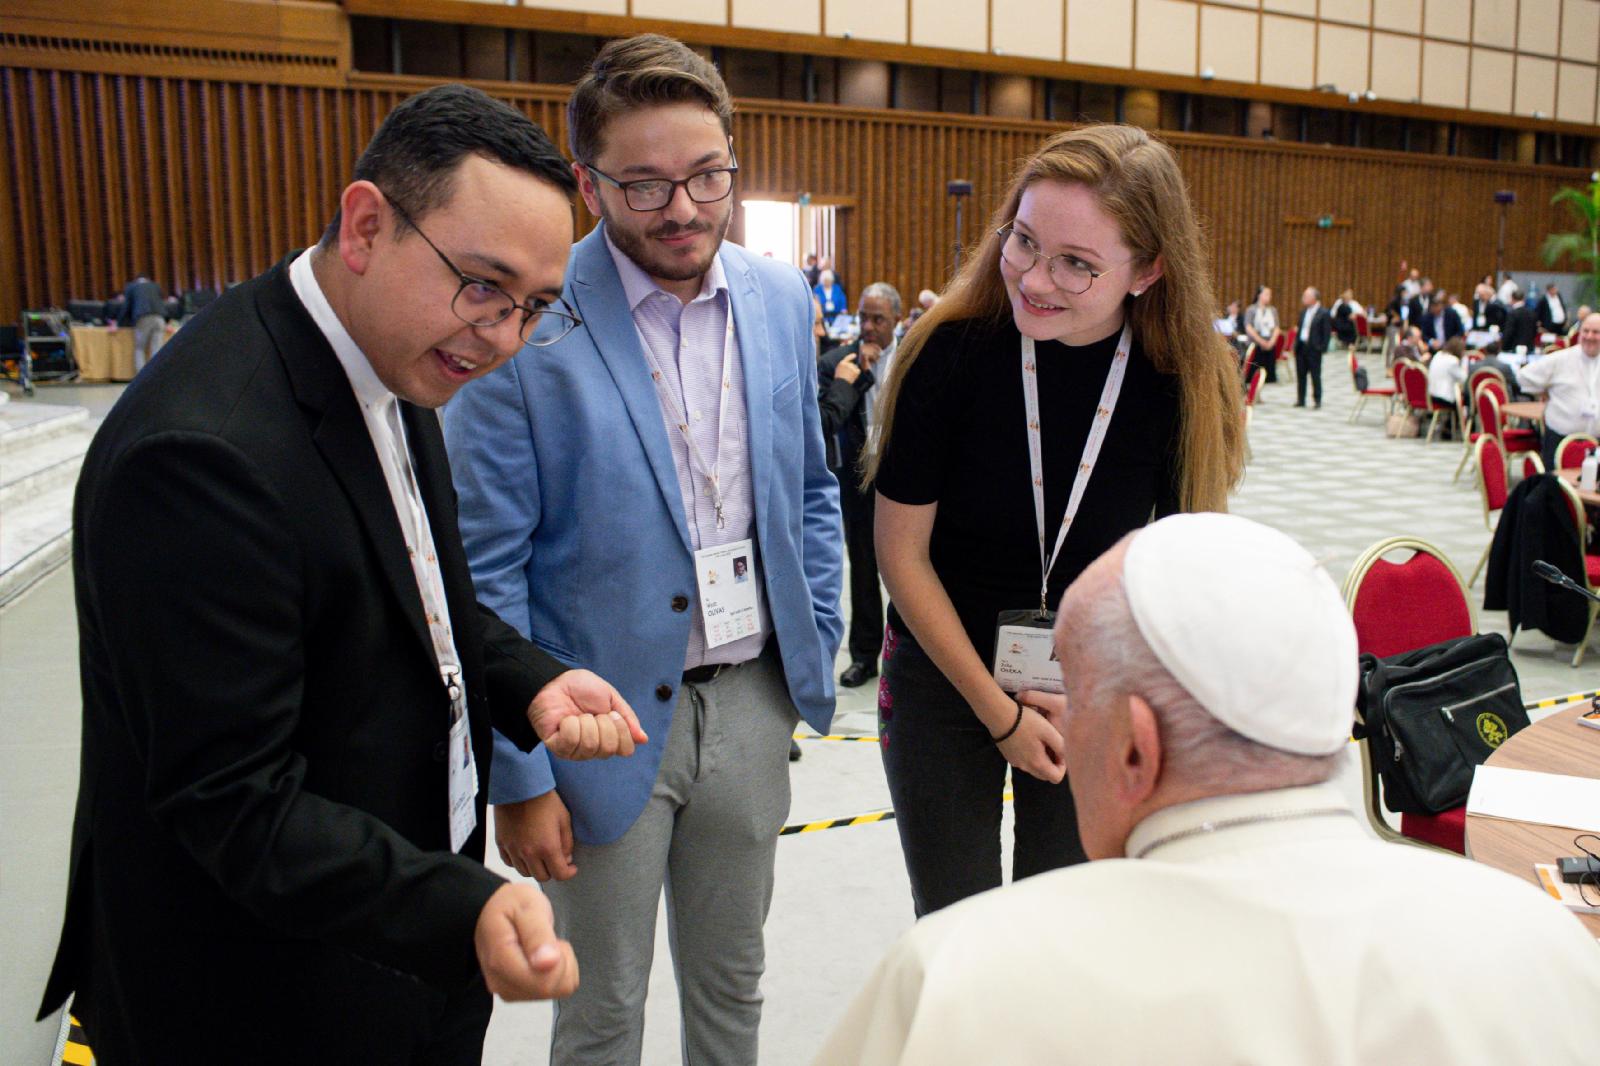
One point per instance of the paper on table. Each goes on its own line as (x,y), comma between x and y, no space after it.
(1530,796)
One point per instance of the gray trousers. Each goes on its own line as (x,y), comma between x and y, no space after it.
(708,835)
(147,334)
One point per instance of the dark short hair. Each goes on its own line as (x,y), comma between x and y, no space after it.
(414,155)
(637,72)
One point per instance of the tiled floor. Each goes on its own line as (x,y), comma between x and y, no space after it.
(841,895)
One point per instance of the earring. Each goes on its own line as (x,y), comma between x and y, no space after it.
(1138,292)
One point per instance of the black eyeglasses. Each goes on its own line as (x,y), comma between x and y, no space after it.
(652,194)
(480,302)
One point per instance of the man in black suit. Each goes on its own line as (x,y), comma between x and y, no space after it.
(1522,325)
(1487,311)
(1552,311)
(1316,330)
(1439,324)
(846,377)
(1417,306)
(288,686)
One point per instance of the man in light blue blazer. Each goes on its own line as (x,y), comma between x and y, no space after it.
(649,498)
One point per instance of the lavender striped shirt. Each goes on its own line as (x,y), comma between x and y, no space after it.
(684,342)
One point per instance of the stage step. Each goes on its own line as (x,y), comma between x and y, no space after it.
(41,451)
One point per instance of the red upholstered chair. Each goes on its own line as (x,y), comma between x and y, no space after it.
(1573,448)
(1362,395)
(1483,377)
(1494,485)
(1513,442)
(1285,350)
(1396,607)
(1591,565)
(1414,388)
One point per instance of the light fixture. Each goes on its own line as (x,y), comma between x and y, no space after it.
(1207,74)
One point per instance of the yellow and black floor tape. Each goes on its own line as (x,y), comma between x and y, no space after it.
(870,817)
(867,738)
(75,1050)
(1561,701)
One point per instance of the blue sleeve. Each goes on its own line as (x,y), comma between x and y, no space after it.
(496,474)
(822,528)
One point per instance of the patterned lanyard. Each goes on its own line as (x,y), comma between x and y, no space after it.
(1091,448)
(713,472)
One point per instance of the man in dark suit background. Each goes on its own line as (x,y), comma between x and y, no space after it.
(1316,330)
(1552,311)
(1439,324)
(143,305)
(847,376)
(279,836)
(1417,306)
(1522,325)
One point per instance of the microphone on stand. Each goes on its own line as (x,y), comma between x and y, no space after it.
(1554,575)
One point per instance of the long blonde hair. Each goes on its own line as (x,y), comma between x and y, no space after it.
(1138,183)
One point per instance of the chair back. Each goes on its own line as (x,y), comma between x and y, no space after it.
(1485,375)
(1532,465)
(1494,484)
(1489,416)
(1572,450)
(1401,606)
(1363,328)
(1254,388)
(1414,386)
(1286,342)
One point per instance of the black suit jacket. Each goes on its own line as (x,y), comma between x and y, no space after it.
(1321,333)
(262,834)
(1493,313)
(1546,316)
(843,406)
(1522,328)
(1452,326)
(1418,310)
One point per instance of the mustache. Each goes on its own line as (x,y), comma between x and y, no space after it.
(679,229)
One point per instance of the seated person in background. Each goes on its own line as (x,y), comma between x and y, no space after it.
(1522,325)
(1238,909)
(1489,358)
(1447,372)
(831,296)
(1411,345)
(1345,310)
(1439,324)
(1583,312)
(1570,379)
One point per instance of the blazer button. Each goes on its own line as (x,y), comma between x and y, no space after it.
(680,603)
(663,692)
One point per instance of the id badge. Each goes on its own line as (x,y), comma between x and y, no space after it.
(463,782)
(726,579)
(1025,652)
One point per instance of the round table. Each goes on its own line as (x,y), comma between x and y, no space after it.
(1555,745)
(1570,475)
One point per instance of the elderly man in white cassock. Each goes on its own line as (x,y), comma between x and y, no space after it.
(1239,910)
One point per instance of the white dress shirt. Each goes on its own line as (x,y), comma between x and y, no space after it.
(1305,322)
(381,411)
(1572,382)
(1302,941)
(684,342)
(1445,375)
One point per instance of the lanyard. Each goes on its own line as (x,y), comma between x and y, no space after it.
(1091,448)
(679,412)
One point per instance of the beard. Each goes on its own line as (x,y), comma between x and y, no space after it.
(657,262)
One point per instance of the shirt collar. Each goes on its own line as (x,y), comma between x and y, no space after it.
(369,389)
(1171,821)
(637,286)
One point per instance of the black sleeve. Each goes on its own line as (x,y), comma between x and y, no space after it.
(515,670)
(1169,492)
(210,684)
(836,400)
(915,450)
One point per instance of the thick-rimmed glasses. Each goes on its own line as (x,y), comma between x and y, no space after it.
(480,302)
(1067,272)
(652,194)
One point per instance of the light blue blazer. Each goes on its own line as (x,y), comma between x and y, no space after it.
(574,523)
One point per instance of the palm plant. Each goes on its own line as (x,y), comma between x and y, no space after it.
(1583,244)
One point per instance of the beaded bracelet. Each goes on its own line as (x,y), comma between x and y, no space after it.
(1014,727)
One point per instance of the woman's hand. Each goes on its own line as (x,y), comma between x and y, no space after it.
(1036,747)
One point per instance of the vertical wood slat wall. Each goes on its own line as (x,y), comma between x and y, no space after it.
(203,183)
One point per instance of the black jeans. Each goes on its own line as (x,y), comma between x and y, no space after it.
(947,782)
